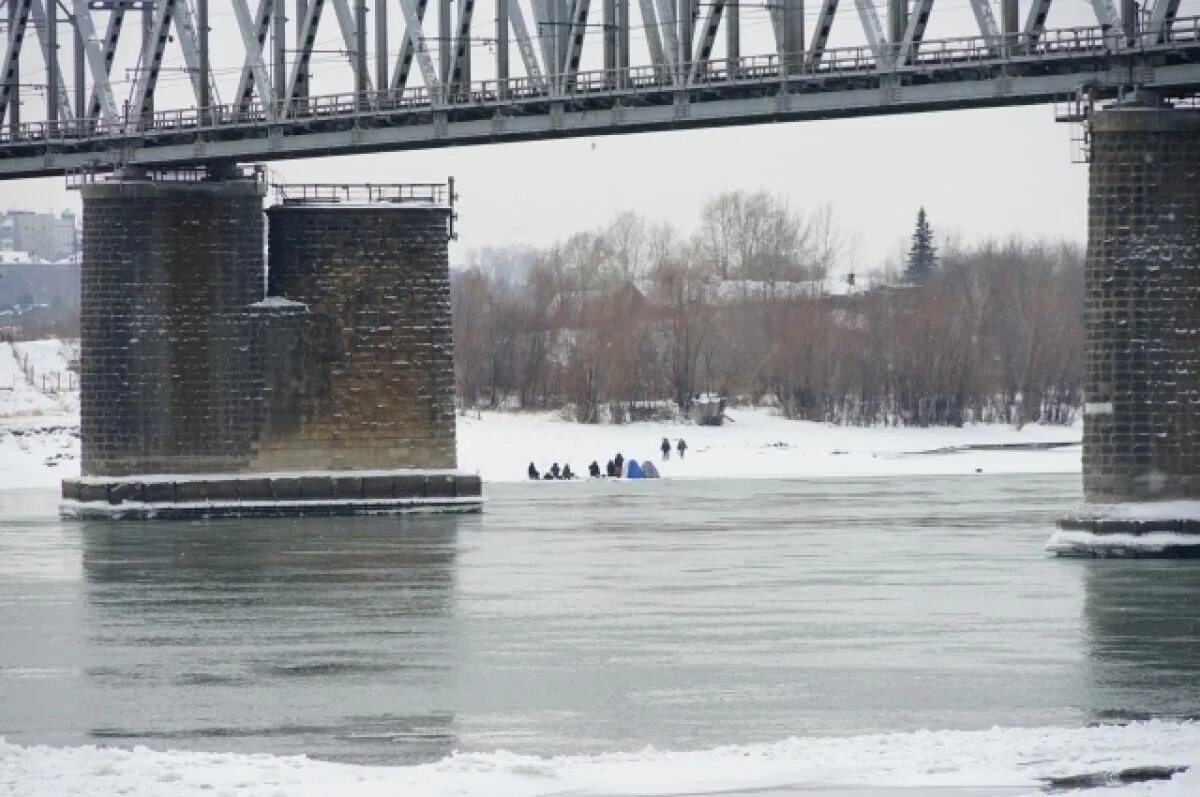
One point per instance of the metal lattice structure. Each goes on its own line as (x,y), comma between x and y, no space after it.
(688,70)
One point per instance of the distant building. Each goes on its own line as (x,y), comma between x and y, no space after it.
(45,236)
(10,257)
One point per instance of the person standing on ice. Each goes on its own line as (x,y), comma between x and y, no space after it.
(666,449)
(533,472)
(554,471)
(618,465)
(594,469)
(567,473)
(681,447)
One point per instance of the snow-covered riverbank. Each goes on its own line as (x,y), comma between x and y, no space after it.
(1001,762)
(39,442)
(39,414)
(756,443)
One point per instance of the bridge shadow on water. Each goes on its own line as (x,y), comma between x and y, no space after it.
(332,637)
(1142,639)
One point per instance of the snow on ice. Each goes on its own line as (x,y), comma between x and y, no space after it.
(756,443)
(1005,761)
(39,443)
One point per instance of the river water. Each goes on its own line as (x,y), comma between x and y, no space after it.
(586,618)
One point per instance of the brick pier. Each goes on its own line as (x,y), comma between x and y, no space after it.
(1141,444)
(212,386)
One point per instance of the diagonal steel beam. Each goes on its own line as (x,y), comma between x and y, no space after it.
(1035,23)
(561,21)
(773,11)
(667,26)
(1161,17)
(733,37)
(112,35)
(575,36)
(874,32)
(185,28)
(914,32)
(1109,19)
(525,44)
(685,24)
(545,37)
(86,29)
(662,67)
(254,71)
(308,35)
(149,64)
(416,36)
(403,64)
(790,49)
(43,34)
(460,69)
(1106,13)
(20,10)
(820,38)
(708,37)
(79,62)
(345,18)
(986,20)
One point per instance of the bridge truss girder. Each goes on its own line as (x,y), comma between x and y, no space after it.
(684,64)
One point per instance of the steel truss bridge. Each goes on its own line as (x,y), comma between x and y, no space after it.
(696,75)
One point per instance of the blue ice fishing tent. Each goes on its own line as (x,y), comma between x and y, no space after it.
(634,471)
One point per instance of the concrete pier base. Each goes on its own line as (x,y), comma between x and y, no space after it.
(1141,440)
(271,495)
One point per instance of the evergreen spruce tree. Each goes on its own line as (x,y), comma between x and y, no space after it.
(922,256)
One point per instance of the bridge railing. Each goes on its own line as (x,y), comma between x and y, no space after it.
(834,62)
(362,193)
(190,173)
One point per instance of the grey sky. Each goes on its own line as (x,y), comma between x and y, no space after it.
(987,173)
(978,173)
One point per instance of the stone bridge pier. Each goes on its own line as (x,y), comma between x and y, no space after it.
(1141,441)
(217,381)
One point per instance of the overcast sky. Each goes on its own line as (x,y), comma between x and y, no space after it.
(979,174)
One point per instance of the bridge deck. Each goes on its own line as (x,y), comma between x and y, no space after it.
(944,74)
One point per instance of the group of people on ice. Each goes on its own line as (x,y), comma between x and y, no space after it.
(553,473)
(615,468)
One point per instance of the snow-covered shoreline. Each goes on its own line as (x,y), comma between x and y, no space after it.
(39,419)
(40,451)
(999,761)
(39,443)
(758,444)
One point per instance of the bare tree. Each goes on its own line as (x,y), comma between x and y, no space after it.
(638,314)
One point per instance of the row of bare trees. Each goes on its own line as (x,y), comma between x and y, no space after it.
(639,316)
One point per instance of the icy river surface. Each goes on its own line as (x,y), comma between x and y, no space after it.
(587,618)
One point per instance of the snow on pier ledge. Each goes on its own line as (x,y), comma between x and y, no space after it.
(1160,529)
